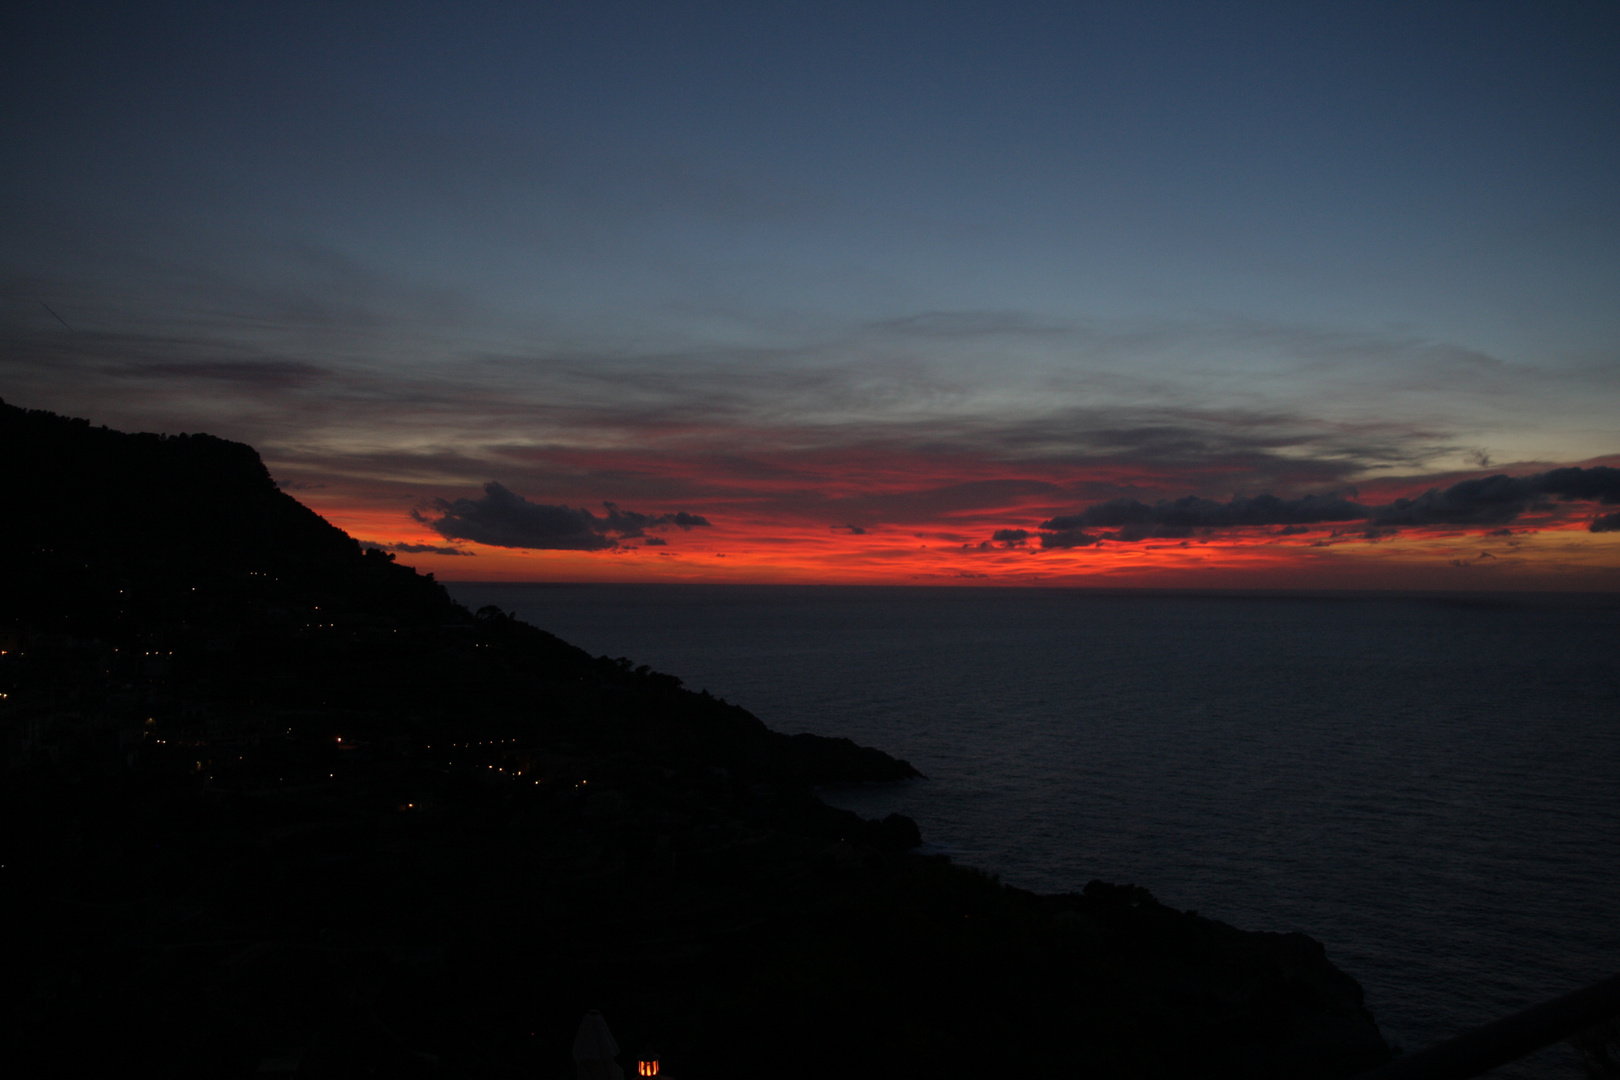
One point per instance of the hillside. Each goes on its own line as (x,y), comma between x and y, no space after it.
(275,803)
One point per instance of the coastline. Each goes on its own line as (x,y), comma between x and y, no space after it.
(279,794)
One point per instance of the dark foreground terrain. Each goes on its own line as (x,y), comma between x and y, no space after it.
(275,805)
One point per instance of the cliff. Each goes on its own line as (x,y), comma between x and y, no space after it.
(275,801)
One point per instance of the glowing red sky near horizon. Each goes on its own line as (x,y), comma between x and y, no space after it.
(854,517)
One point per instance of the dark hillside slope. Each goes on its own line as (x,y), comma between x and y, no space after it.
(101,524)
(273,801)
(181,549)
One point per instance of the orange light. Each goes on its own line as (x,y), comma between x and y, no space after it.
(647,1068)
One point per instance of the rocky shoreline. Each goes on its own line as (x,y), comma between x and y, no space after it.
(278,806)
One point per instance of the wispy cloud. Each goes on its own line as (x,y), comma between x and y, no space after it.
(268,374)
(848,430)
(357,345)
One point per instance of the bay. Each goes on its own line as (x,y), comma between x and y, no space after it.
(1428,785)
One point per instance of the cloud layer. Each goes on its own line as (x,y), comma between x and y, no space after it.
(505,519)
(407,548)
(1492,500)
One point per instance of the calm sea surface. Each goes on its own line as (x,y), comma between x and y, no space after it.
(1431,787)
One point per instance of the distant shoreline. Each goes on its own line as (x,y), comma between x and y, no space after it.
(1075,590)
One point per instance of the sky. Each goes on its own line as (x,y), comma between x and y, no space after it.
(1284,295)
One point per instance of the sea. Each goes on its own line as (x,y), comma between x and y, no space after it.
(1429,785)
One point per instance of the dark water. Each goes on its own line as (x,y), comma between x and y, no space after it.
(1431,787)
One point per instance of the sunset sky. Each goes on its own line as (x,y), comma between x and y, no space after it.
(1098,294)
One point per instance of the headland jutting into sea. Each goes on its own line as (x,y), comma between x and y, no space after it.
(276,805)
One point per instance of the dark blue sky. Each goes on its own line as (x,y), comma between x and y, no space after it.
(394,238)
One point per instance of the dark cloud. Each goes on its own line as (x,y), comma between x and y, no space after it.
(1491,500)
(1002,538)
(1068,538)
(420,549)
(853,530)
(1599,484)
(504,519)
(1496,500)
(654,541)
(1131,534)
(628,523)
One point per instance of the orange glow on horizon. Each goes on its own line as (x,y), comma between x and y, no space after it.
(896,519)
(1551,557)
